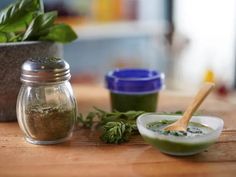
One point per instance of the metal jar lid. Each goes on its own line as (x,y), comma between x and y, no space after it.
(45,70)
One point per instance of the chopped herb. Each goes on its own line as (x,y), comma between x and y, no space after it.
(49,123)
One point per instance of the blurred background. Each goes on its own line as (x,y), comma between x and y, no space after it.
(191,41)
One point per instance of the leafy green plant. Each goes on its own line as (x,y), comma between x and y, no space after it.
(25,20)
(117,127)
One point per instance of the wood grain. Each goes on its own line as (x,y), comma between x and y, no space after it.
(85,155)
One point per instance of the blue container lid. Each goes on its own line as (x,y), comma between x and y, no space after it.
(134,81)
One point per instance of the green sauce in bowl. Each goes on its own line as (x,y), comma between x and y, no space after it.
(201,133)
(194,129)
(173,147)
(178,148)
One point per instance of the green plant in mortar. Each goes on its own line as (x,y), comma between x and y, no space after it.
(25,20)
(48,123)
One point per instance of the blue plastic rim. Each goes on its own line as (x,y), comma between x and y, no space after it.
(134,81)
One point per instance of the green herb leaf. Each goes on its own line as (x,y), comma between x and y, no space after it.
(116,132)
(117,127)
(3,37)
(88,122)
(18,15)
(26,20)
(40,26)
(7,37)
(60,33)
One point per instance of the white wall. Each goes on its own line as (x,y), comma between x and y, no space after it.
(210,26)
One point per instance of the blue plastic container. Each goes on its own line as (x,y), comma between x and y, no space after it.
(134,89)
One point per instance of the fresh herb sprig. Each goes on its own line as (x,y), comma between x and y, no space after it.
(117,127)
(25,20)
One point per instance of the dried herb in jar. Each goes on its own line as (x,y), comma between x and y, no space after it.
(48,123)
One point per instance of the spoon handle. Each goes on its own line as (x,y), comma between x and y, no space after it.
(198,99)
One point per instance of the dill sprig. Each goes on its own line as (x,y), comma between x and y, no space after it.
(117,127)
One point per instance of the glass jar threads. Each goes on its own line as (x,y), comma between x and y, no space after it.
(46,107)
(134,89)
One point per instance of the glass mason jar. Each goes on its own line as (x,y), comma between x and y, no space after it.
(46,107)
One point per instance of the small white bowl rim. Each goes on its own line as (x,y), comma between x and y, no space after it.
(149,133)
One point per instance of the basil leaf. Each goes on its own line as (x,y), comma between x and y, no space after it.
(7,37)
(60,33)
(17,15)
(3,37)
(39,26)
(26,20)
(18,26)
(15,37)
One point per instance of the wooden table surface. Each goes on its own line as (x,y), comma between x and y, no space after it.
(85,155)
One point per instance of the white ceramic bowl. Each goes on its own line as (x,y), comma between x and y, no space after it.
(176,145)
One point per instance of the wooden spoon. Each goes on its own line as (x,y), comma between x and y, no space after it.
(182,123)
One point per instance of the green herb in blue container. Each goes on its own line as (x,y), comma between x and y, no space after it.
(134,89)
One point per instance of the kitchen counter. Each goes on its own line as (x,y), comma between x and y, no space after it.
(85,155)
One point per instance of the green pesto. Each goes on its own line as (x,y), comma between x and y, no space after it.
(178,148)
(142,102)
(194,129)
